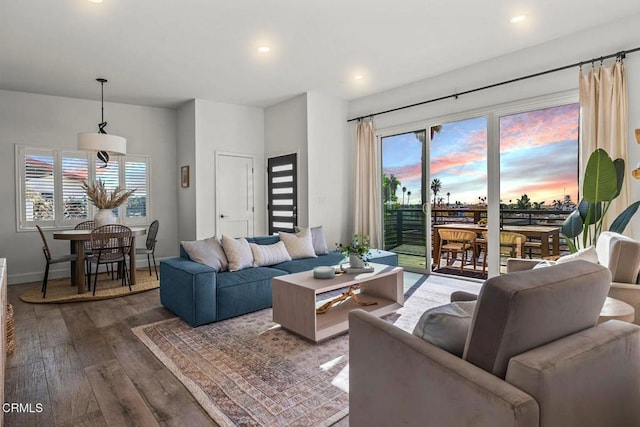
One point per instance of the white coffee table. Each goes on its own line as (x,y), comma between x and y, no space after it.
(294,300)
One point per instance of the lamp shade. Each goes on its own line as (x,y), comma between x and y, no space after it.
(112,144)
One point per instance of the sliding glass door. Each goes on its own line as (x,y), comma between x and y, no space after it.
(403,195)
(458,184)
(511,170)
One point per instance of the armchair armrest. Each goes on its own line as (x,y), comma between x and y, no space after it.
(396,378)
(586,379)
(189,289)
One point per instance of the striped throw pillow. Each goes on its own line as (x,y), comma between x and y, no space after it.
(269,254)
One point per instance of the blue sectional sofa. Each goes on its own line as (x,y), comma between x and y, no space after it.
(200,295)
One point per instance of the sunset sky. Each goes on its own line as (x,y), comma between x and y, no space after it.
(538,156)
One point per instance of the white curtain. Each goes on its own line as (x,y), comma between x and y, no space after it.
(367,200)
(603,101)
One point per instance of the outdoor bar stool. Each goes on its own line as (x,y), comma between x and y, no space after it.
(457,241)
(511,245)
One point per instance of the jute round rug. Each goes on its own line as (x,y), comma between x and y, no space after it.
(60,290)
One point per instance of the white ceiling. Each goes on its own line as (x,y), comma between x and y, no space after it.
(163,52)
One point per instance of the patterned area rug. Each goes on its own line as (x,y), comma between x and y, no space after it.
(249,371)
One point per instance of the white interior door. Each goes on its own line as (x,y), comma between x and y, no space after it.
(234,195)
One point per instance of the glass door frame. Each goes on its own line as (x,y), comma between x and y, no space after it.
(493,114)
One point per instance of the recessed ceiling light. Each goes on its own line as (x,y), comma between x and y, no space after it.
(264,49)
(358,77)
(95,1)
(517,19)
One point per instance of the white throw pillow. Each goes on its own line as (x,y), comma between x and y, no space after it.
(208,252)
(238,253)
(447,326)
(269,254)
(586,254)
(298,245)
(317,239)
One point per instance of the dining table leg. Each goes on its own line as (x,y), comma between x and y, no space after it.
(556,242)
(436,251)
(132,261)
(79,270)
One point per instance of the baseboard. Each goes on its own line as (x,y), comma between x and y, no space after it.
(60,273)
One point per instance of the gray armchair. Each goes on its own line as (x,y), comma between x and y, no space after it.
(621,255)
(534,356)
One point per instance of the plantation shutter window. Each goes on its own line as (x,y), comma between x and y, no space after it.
(49,187)
(75,204)
(38,186)
(136,177)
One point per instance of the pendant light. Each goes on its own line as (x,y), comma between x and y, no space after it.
(101,142)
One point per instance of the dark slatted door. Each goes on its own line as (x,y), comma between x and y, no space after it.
(282,187)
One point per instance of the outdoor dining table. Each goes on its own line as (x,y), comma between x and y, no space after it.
(546,233)
(77,239)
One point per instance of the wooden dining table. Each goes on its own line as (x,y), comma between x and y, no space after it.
(549,236)
(77,239)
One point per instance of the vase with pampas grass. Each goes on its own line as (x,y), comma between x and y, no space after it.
(105,200)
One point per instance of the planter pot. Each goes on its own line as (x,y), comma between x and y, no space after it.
(356,261)
(104,217)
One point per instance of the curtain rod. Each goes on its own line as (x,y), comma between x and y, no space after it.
(620,54)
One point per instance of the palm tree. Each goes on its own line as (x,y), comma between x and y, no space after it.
(524,202)
(448,195)
(408,197)
(436,186)
(404,190)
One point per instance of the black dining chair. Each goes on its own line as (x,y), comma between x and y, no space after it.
(150,246)
(86,225)
(51,260)
(110,244)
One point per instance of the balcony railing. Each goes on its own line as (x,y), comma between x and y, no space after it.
(406,225)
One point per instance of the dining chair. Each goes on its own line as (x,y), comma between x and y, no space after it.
(86,225)
(51,260)
(454,241)
(150,246)
(511,245)
(110,244)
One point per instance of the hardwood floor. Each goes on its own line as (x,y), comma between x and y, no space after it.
(84,365)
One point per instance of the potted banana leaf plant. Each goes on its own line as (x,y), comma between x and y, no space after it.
(602,183)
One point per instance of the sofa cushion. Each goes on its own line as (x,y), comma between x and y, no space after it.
(298,265)
(519,311)
(446,326)
(238,253)
(255,274)
(269,254)
(299,245)
(208,252)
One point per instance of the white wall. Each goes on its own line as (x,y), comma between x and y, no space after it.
(330,172)
(233,129)
(608,39)
(50,121)
(285,128)
(186,155)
